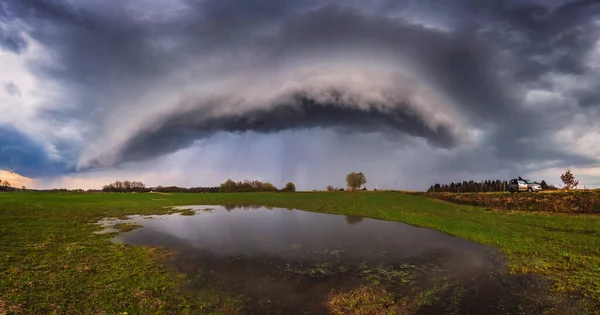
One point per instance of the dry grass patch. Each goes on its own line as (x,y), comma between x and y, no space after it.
(366,300)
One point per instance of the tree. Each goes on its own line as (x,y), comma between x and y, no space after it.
(569,180)
(289,186)
(330,188)
(228,186)
(544,185)
(6,183)
(355,180)
(268,187)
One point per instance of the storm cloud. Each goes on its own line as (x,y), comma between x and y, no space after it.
(482,87)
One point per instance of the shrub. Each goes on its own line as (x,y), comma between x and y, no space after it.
(564,202)
(569,180)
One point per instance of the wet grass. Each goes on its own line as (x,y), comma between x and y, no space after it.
(51,262)
(366,300)
(126,227)
(187,212)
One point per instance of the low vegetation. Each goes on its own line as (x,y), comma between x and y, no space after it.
(51,261)
(569,180)
(126,227)
(366,300)
(558,202)
(187,212)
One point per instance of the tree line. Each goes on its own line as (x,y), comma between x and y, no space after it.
(170,189)
(133,186)
(253,186)
(125,186)
(7,186)
(484,186)
(227,186)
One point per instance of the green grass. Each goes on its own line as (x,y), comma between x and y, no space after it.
(187,212)
(51,261)
(126,227)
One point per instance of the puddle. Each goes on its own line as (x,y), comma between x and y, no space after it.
(296,262)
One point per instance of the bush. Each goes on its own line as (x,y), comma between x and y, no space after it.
(569,180)
(564,201)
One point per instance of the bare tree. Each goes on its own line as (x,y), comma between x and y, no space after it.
(569,180)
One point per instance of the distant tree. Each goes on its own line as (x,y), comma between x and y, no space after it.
(269,187)
(290,187)
(245,186)
(355,180)
(6,183)
(125,186)
(330,188)
(23,188)
(569,180)
(228,186)
(544,185)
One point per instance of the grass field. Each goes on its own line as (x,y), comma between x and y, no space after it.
(50,260)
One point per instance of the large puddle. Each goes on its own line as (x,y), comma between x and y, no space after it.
(282,261)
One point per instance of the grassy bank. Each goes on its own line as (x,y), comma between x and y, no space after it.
(552,201)
(51,261)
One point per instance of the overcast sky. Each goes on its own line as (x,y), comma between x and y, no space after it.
(192,92)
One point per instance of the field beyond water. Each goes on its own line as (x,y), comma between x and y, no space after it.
(50,260)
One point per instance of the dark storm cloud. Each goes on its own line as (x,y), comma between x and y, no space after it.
(22,154)
(481,58)
(11,42)
(182,129)
(561,37)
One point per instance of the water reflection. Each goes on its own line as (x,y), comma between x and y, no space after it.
(251,230)
(292,260)
(353,219)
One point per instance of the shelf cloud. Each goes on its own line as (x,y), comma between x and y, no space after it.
(107,85)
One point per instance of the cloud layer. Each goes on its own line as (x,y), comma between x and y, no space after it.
(482,88)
